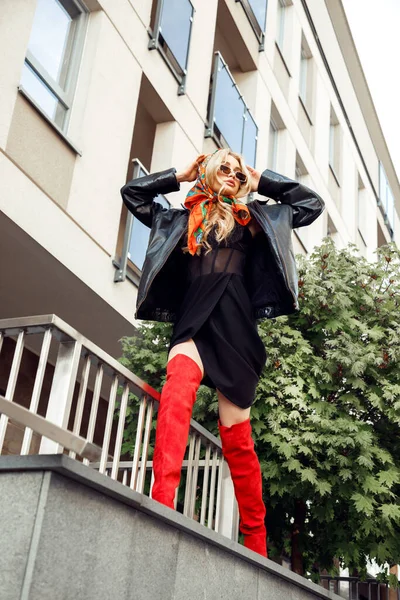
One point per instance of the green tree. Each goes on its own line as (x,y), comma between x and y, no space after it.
(327,411)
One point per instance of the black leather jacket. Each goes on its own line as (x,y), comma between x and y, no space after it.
(272,274)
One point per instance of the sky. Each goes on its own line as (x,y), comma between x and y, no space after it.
(375,26)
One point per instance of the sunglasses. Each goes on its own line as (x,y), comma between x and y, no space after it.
(238,174)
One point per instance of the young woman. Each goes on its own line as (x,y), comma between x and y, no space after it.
(213,269)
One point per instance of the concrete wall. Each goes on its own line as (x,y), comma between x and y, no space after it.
(68,532)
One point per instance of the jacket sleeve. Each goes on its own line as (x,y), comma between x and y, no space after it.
(306,204)
(138,194)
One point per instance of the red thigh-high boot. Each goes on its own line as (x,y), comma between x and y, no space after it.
(173,422)
(238,450)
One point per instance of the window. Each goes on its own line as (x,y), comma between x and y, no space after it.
(256,11)
(51,64)
(281,24)
(334,146)
(276,128)
(306,77)
(362,212)
(284,39)
(136,237)
(170,34)
(386,199)
(230,122)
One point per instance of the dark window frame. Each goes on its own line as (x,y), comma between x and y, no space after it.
(258,29)
(63,93)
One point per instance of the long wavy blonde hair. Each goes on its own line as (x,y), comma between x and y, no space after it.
(221,212)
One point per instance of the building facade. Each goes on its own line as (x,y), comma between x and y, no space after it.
(96,92)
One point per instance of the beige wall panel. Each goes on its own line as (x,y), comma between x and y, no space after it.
(281,73)
(334,190)
(237,30)
(221,45)
(16,17)
(208,146)
(134,33)
(286,153)
(290,39)
(321,138)
(270,32)
(143,10)
(105,138)
(305,126)
(316,231)
(172,148)
(297,245)
(295,54)
(248,86)
(40,151)
(35,213)
(349,192)
(143,138)
(201,54)
(262,114)
(371,228)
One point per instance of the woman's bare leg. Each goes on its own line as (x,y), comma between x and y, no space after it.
(188,348)
(229,413)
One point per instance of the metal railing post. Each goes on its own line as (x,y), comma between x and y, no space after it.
(228,514)
(62,391)
(12,382)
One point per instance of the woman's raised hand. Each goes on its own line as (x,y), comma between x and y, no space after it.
(255,178)
(190,173)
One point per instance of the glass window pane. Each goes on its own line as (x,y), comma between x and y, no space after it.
(175,28)
(139,242)
(50,40)
(303,79)
(141,233)
(229,109)
(249,140)
(259,8)
(43,96)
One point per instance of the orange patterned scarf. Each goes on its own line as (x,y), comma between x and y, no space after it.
(199,201)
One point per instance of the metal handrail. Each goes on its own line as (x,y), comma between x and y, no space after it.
(86,418)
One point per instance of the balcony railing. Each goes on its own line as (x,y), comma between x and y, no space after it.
(171,36)
(136,238)
(230,122)
(256,12)
(352,588)
(76,399)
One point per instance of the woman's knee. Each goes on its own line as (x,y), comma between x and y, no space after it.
(188,348)
(229,413)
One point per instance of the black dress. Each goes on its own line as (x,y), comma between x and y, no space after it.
(216,313)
